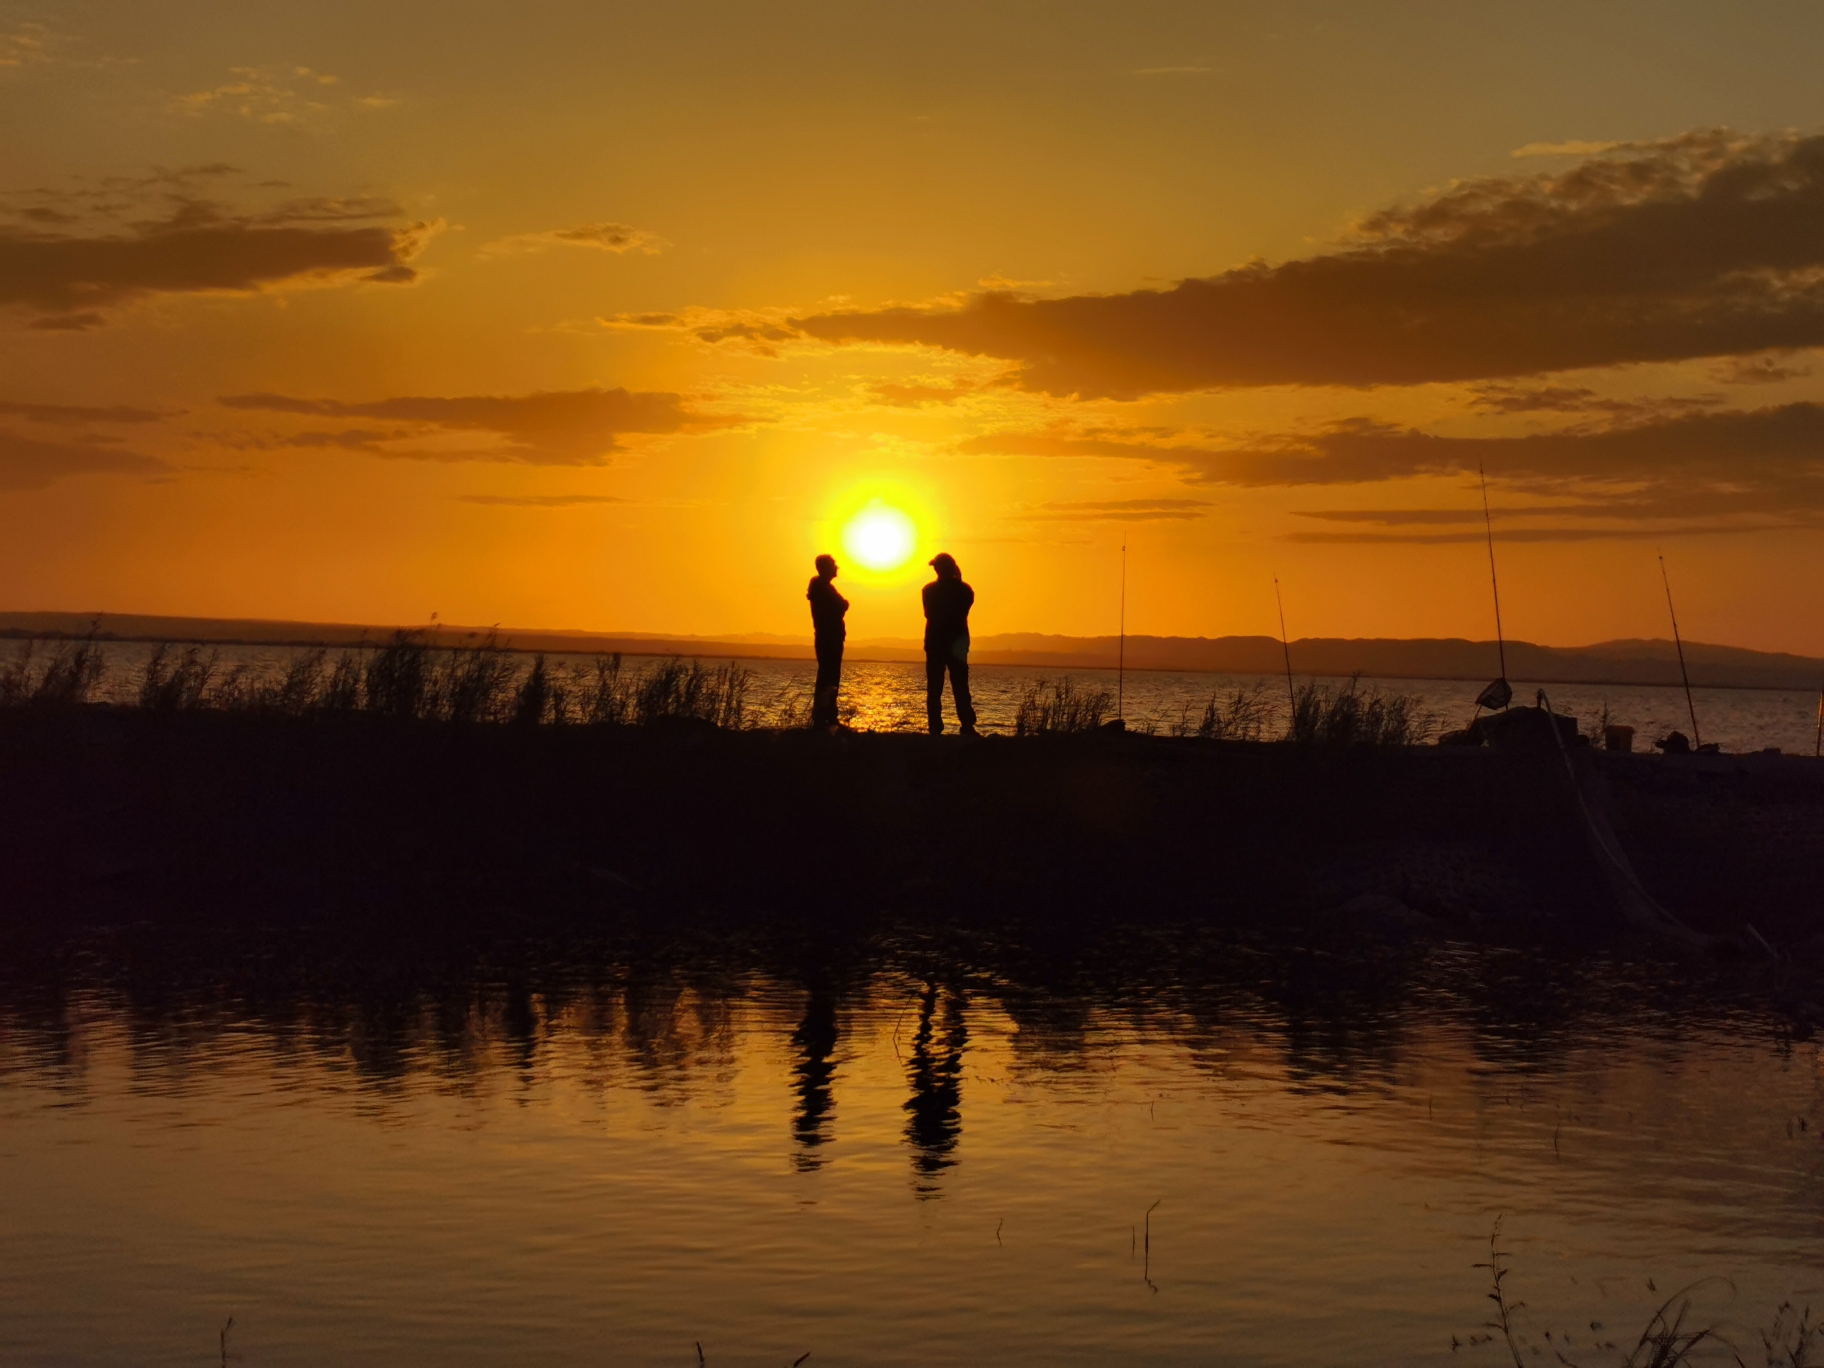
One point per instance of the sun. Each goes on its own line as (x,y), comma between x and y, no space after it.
(880,537)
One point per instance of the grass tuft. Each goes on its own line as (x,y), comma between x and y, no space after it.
(171,682)
(1051,707)
(68,676)
(1349,717)
(1241,717)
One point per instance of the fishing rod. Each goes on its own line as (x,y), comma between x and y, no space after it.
(1284,645)
(1678,642)
(1817,746)
(1121,650)
(1500,693)
(1488,525)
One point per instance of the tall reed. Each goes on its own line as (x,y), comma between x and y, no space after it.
(170,681)
(1049,707)
(1347,716)
(69,674)
(1241,717)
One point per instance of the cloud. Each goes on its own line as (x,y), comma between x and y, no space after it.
(1708,244)
(602,237)
(1118,510)
(28,463)
(1096,442)
(369,440)
(1502,397)
(281,96)
(68,322)
(1537,534)
(539,500)
(1172,71)
(26,45)
(1757,370)
(757,330)
(569,427)
(1710,445)
(1573,148)
(918,395)
(69,414)
(1693,471)
(195,245)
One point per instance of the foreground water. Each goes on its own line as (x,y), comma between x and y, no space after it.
(891,697)
(1148,1145)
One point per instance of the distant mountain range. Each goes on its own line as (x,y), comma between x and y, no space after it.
(1606,662)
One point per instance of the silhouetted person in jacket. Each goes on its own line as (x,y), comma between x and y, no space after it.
(947,604)
(827,610)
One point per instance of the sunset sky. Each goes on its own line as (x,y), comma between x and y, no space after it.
(579,314)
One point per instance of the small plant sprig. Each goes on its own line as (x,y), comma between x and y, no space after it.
(1504,1309)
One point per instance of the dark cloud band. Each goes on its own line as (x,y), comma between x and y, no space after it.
(28,463)
(565,427)
(1709,244)
(66,275)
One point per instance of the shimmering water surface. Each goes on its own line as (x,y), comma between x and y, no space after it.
(1154,1146)
(891,697)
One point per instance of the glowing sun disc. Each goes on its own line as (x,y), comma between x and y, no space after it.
(880,538)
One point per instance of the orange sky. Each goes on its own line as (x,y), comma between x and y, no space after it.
(584,315)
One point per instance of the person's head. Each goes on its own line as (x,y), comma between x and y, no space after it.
(826,566)
(945,565)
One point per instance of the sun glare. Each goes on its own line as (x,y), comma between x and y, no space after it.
(880,537)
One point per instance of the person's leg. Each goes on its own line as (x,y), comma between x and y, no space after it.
(959,689)
(829,677)
(934,693)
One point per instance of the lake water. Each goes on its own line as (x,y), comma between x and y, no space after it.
(891,697)
(1147,1144)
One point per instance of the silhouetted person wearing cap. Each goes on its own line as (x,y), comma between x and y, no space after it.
(947,604)
(827,610)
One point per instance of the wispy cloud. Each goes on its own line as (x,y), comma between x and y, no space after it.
(566,427)
(1501,397)
(71,414)
(1758,370)
(1572,148)
(277,96)
(26,45)
(539,500)
(1547,534)
(601,237)
(917,395)
(762,331)
(29,463)
(1118,510)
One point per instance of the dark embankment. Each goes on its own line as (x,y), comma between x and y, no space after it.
(123,814)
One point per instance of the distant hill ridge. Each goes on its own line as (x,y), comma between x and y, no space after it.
(1632,661)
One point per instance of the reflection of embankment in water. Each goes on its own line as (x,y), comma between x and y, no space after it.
(612,1123)
(815,1040)
(672,1017)
(934,1110)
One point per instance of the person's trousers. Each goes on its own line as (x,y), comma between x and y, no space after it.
(829,680)
(958,666)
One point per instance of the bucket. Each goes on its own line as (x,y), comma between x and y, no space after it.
(1618,737)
